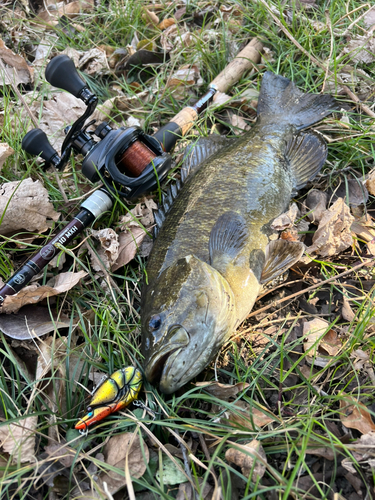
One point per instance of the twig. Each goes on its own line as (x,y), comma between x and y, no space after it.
(347,91)
(329,26)
(309,289)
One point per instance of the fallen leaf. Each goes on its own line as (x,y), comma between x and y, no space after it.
(369,17)
(185,491)
(220,98)
(364,228)
(320,347)
(25,205)
(244,416)
(31,321)
(238,123)
(93,62)
(370,181)
(347,312)
(18,439)
(362,453)
(171,474)
(129,242)
(360,358)
(316,203)
(166,23)
(109,248)
(5,151)
(223,391)
(117,450)
(35,293)
(150,17)
(285,220)
(360,49)
(353,191)
(186,75)
(355,415)
(59,451)
(324,452)
(333,234)
(14,69)
(250,457)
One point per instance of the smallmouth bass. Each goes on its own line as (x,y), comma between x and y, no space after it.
(213,254)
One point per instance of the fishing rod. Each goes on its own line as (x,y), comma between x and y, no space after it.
(129,162)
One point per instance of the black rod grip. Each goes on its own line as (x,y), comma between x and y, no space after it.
(61,73)
(36,143)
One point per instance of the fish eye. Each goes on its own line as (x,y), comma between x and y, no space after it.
(155,322)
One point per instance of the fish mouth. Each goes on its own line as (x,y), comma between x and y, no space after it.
(176,339)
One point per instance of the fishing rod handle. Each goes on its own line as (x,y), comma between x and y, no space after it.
(92,208)
(185,119)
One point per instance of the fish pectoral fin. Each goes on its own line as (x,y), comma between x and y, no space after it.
(280,256)
(228,237)
(306,153)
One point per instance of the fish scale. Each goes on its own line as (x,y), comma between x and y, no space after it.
(212,254)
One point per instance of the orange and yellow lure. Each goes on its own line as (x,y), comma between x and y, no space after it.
(115,393)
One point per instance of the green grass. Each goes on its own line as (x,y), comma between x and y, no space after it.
(104,328)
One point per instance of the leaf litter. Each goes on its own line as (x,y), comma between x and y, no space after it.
(341,230)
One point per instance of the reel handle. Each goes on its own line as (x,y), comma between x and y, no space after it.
(36,143)
(61,73)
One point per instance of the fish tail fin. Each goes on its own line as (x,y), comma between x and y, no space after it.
(281,99)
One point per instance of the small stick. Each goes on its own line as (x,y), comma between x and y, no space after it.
(309,289)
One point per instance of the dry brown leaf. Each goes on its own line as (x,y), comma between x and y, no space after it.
(355,415)
(360,358)
(362,452)
(286,220)
(185,491)
(129,243)
(93,62)
(324,452)
(70,10)
(25,205)
(166,23)
(333,234)
(5,151)
(360,49)
(220,98)
(116,451)
(186,75)
(321,349)
(369,17)
(223,391)
(109,249)
(34,293)
(59,451)
(316,203)
(60,110)
(245,416)
(347,312)
(250,457)
(31,321)
(370,182)
(150,17)
(365,230)
(14,69)
(238,123)
(18,439)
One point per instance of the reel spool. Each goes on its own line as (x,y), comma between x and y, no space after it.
(127,160)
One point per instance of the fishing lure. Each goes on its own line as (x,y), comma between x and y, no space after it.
(114,394)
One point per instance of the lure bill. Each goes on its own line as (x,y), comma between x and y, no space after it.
(114,394)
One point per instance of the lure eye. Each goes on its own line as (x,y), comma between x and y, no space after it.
(155,322)
(90,414)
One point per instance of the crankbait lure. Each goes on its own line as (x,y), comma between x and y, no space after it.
(114,394)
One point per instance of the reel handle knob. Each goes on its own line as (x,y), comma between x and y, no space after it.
(36,143)
(61,73)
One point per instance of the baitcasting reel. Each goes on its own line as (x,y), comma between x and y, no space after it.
(128,161)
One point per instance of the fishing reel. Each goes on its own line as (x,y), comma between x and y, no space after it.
(128,161)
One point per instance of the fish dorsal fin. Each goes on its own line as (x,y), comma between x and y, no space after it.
(201,150)
(280,256)
(228,237)
(306,153)
(166,203)
(194,156)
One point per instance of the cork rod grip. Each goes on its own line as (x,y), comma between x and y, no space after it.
(244,61)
